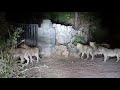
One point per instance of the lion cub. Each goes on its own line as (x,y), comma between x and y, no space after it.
(34,51)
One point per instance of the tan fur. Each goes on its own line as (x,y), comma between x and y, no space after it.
(95,45)
(85,49)
(34,51)
(21,53)
(96,49)
(105,51)
(104,45)
(110,53)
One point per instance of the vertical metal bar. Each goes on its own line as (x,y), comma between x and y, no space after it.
(34,34)
(23,25)
(20,34)
(36,31)
(27,28)
(23,32)
(30,35)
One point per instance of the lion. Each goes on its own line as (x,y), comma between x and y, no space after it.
(97,48)
(110,53)
(34,51)
(22,54)
(105,51)
(84,49)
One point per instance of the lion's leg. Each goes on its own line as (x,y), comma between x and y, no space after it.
(22,59)
(37,56)
(117,58)
(87,55)
(105,58)
(79,53)
(31,59)
(92,56)
(30,55)
(27,60)
(26,56)
(82,55)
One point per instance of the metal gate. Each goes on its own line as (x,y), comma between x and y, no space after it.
(30,34)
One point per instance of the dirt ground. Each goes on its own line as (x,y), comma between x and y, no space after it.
(59,67)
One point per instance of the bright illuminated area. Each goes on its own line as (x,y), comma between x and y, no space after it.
(59,45)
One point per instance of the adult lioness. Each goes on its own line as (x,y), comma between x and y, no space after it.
(34,51)
(96,49)
(110,53)
(105,51)
(84,49)
(22,54)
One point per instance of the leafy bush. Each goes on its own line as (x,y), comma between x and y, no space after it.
(6,59)
(64,17)
(78,39)
(61,17)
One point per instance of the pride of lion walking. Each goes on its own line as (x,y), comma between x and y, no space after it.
(94,49)
(24,52)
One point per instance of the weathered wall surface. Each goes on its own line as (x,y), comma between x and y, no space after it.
(55,38)
(64,34)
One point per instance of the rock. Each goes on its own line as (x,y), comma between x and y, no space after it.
(65,53)
(75,55)
(53,50)
(46,51)
(70,45)
(63,33)
(61,50)
(73,51)
(58,53)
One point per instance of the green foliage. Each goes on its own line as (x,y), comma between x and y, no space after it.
(89,21)
(78,39)
(6,64)
(61,17)
(6,59)
(64,17)
(8,41)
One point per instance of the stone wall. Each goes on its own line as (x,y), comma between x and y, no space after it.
(64,34)
(46,37)
(55,38)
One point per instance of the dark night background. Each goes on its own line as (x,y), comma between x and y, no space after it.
(110,20)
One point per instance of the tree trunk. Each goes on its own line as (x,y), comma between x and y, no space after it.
(76,20)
